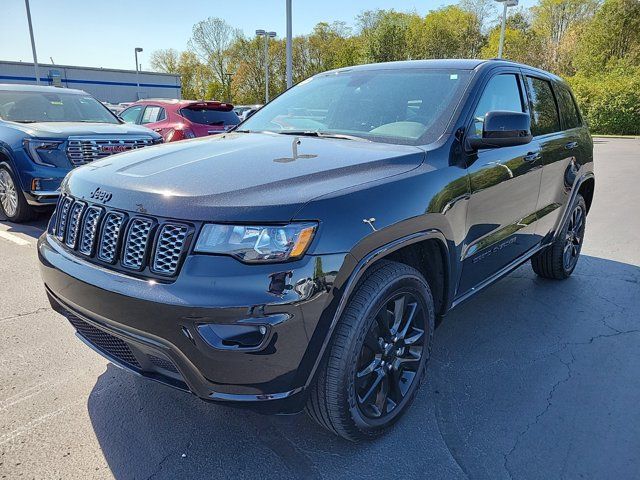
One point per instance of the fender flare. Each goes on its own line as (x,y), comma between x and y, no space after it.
(574,193)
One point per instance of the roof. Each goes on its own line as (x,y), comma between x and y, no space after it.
(23,87)
(445,63)
(173,101)
(78,67)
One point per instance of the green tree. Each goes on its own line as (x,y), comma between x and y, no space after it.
(611,38)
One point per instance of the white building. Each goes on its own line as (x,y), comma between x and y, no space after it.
(106,84)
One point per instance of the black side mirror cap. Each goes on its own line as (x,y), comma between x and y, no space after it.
(503,129)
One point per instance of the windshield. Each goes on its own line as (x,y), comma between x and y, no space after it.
(404,106)
(28,107)
(209,116)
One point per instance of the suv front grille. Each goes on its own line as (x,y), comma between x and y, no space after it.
(81,150)
(152,247)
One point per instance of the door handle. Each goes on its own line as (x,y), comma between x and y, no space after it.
(571,145)
(532,156)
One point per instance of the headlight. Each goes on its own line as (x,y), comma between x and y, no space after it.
(37,147)
(256,244)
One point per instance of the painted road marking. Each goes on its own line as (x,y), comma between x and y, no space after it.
(14,238)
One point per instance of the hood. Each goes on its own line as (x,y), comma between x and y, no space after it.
(238,176)
(60,130)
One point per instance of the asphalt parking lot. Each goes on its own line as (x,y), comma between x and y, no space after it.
(531,379)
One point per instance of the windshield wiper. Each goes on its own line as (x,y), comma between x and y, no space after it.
(316,133)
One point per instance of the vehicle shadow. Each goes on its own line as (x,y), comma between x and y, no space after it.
(33,228)
(510,374)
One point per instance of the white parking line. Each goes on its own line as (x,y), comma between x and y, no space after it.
(14,238)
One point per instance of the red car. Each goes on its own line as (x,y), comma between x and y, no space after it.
(182,119)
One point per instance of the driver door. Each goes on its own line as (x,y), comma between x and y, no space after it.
(504,185)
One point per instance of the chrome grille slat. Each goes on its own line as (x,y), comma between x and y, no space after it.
(75,215)
(89,230)
(128,242)
(136,243)
(169,249)
(82,150)
(63,215)
(113,223)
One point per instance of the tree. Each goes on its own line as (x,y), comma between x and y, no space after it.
(553,19)
(521,42)
(449,32)
(166,60)
(211,40)
(612,37)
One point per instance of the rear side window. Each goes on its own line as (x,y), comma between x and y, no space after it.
(152,114)
(130,115)
(568,108)
(501,93)
(208,116)
(544,113)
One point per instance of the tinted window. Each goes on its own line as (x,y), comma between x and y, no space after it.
(130,115)
(151,114)
(405,106)
(568,108)
(544,114)
(208,116)
(501,93)
(29,107)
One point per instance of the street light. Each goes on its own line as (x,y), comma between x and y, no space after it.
(507,3)
(137,50)
(267,36)
(33,42)
(228,76)
(289,47)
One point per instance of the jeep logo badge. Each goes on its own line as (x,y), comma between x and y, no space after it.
(101,195)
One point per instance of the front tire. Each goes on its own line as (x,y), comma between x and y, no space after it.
(13,205)
(379,353)
(558,260)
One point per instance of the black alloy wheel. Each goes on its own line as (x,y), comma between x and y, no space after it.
(558,260)
(390,356)
(573,237)
(378,356)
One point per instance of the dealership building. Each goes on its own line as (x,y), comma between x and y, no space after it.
(107,85)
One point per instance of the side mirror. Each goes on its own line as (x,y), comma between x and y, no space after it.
(503,129)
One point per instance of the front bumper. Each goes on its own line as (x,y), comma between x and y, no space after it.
(152,328)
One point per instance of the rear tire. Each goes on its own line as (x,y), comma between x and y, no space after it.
(345,398)
(13,204)
(558,260)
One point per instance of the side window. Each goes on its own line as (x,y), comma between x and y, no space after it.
(568,108)
(501,93)
(162,115)
(130,115)
(544,113)
(151,114)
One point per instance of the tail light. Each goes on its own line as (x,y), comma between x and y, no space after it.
(176,134)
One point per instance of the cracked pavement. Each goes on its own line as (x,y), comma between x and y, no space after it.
(531,379)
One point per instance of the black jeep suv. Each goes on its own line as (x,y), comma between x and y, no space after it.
(301,260)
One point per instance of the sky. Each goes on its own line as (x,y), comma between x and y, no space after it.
(100,33)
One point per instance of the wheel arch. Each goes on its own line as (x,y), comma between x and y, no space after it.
(410,250)
(586,189)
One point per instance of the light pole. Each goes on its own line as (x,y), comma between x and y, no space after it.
(289,47)
(507,3)
(137,50)
(33,42)
(266,35)
(228,76)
